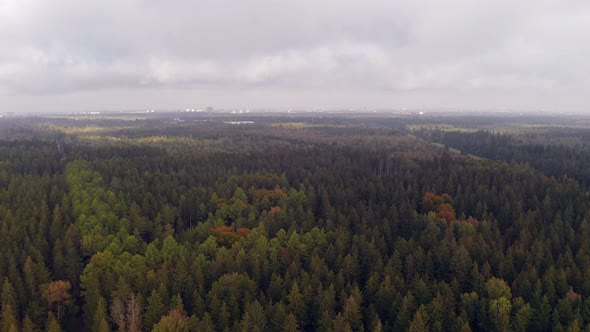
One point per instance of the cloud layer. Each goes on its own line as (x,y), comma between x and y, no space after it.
(69,54)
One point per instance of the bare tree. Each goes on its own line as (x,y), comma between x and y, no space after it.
(118,313)
(134,314)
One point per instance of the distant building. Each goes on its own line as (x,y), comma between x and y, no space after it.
(238,122)
(210,109)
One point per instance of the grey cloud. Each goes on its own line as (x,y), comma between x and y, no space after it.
(267,53)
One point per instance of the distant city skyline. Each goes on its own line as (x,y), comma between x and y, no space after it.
(67,55)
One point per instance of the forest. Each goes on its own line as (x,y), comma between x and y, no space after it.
(314,222)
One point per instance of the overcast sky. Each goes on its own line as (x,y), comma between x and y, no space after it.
(132,54)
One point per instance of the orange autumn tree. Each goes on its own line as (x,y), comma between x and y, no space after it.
(226,235)
(441,204)
(57,293)
(447,212)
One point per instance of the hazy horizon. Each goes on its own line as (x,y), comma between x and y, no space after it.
(67,55)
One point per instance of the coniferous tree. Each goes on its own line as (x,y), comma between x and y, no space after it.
(154,310)
(101,316)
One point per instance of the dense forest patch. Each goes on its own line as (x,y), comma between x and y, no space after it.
(334,227)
